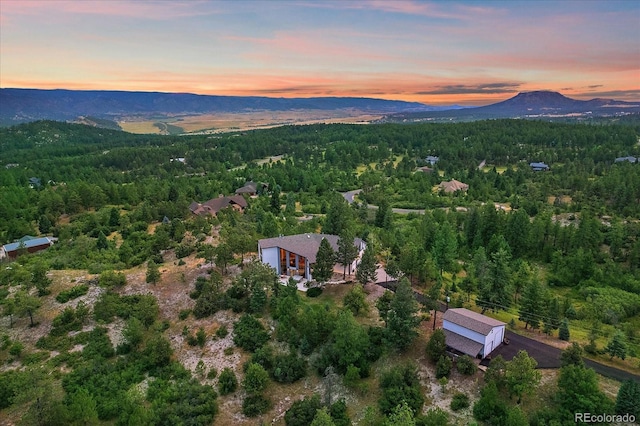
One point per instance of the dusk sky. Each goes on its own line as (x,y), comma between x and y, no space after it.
(469,53)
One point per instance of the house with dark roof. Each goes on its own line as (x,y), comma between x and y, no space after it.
(213,206)
(539,167)
(294,255)
(629,158)
(250,188)
(26,244)
(453,186)
(472,333)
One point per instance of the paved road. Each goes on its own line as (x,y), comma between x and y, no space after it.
(549,357)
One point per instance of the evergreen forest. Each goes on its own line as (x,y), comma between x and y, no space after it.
(142,313)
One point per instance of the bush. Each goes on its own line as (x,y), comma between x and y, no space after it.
(466,366)
(443,367)
(460,401)
(112,279)
(16,349)
(72,293)
(249,333)
(289,368)
(401,384)
(222,331)
(314,292)
(255,405)
(303,411)
(436,346)
(228,382)
(184,314)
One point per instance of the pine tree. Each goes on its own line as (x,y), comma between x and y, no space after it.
(445,248)
(617,346)
(347,251)
(531,305)
(628,399)
(402,320)
(572,356)
(563,333)
(325,259)
(101,243)
(153,273)
(521,375)
(366,271)
(552,318)
(495,291)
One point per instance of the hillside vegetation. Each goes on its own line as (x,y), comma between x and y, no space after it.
(142,313)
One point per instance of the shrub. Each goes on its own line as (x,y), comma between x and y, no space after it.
(16,348)
(72,293)
(436,346)
(433,417)
(222,331)
(249,333)
(201,337)
(466,366)
(443,367)
(314,292)
(212,373)
(255,379)
(302,411)
(401,384)
(184,314)
(112,279)
(228,382)
(460,401)
(289,368)
(255,405)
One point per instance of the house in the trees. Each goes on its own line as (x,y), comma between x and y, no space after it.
(26,244)
(213,206)
(629,158)
(425,169)
(539,167)
(472,333)
(35,182)
(431,159)
(453,186)
(249,188)
(294,255)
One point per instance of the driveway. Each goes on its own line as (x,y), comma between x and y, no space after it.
(549,357)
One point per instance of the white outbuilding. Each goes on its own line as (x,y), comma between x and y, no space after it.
(472,333)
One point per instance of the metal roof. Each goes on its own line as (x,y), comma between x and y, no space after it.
(471,320)
(28,243)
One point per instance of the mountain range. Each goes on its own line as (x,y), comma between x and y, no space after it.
(537,104)
(25,105)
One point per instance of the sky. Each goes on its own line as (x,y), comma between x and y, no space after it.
(434,52)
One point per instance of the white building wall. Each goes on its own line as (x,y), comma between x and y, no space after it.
(470,334)
(271,256)
(493,340)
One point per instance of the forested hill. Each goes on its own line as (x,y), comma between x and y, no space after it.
(23,105)
(143,313)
